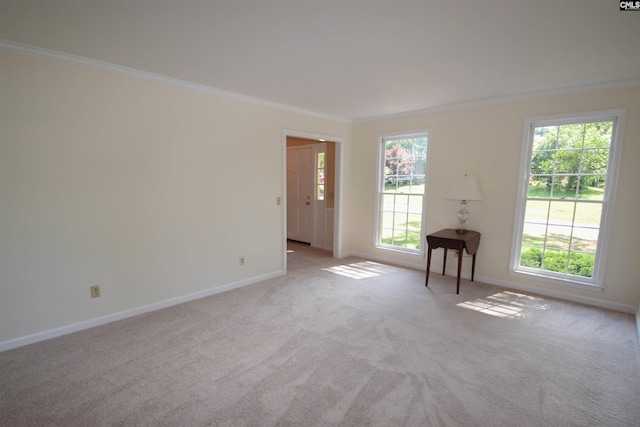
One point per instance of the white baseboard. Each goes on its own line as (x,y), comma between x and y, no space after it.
(638,323)
(91,323)
(420,264)
(64,330)
(625,308)
(466,274)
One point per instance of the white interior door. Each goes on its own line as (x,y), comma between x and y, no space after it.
(300,200)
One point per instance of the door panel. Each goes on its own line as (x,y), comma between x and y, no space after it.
(300,200)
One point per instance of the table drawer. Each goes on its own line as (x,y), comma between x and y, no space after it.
(442,243)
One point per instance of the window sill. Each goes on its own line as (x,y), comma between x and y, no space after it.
(556,280)
(416,252)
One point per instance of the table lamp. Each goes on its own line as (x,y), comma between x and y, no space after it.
(464,188)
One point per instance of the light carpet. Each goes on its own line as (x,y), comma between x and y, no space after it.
(337,342)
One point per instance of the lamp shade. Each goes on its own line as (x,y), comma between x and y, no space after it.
(465,188)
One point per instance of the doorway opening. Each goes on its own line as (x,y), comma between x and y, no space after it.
(312,191)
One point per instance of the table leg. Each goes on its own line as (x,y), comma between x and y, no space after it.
(473,266)
(459,269)
(444,261)
(426,283)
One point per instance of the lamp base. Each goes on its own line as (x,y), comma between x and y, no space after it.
(463,216)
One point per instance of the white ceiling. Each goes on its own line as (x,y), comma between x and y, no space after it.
(350,59)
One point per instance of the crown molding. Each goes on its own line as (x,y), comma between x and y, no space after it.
(617,84)
(26,49)
(22,48)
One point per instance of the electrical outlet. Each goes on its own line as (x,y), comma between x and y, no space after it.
(95,291)
(278,201)
(241,260)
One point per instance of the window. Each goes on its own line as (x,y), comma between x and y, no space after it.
(401,191)
(565,198)
(320,176)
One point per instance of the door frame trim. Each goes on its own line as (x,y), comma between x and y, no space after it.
(337,209)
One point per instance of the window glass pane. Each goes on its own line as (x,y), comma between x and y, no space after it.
(416,185)
(555,261)
(567,161)
(386,236)
(588,214)
(537,211)
(561,212)
(581,264)
(595,161)
(591,187)
(545,138)
(397,161)
(543,162)
(531,257)
(598,135)
(401,203)
(570,136)
(558,237)
(414,221)
(534,234)
(420,166)
(399,239)
(390,184)
(414,204)
(404,183)
(584,239)
(540,187)
(387,218)
(413,239)
(564,187)
(399,220)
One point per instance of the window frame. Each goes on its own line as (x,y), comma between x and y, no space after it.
(596,281)
(380,173)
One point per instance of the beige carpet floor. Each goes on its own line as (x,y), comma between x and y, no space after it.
(337,342)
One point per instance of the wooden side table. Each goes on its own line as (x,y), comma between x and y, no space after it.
(450,239)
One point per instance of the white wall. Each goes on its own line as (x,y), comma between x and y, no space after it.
(151,191)
(486,142)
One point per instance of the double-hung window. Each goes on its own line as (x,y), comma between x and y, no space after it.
(401,192)
(565,201)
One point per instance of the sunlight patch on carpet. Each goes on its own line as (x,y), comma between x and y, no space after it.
(506,304)
(361,270)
